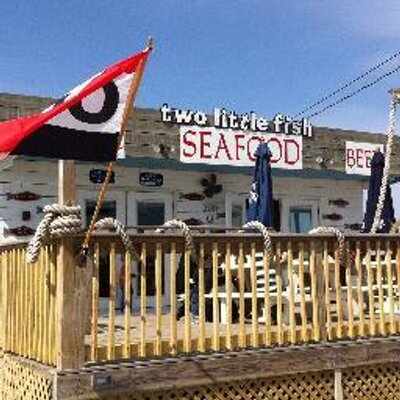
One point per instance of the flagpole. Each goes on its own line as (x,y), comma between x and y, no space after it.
(130,101)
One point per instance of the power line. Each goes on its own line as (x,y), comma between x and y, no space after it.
(346,85)
(362,88)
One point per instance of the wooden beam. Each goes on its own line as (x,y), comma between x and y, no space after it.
(124,379)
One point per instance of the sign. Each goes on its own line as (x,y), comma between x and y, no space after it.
(225,119)
(151,179)
(98,176)
(359,156)
(211,145)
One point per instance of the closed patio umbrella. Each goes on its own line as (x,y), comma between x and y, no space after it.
(260,205)
(375,179)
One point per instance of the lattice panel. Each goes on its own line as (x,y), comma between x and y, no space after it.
(319,385)
(23,382)
(375,382)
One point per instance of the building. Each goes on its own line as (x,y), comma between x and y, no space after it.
(48,350)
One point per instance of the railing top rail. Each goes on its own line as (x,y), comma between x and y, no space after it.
(213,233)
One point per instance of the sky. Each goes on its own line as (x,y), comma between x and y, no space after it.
(245,55)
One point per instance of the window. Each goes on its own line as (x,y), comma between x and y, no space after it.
(150,213)
(300,219)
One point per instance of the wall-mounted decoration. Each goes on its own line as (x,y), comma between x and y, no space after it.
(26,215)
(151,179)
(210,186)
(332,217)
(19,231)
(193,221)
(338,203)
(24,196)
(192,196)
(353,227)
(98,176)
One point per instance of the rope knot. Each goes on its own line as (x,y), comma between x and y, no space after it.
(59,220)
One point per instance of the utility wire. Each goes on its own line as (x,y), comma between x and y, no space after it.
(346,85)
(362,88)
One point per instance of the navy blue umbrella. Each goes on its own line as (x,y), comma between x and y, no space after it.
(375,179)
(260,204)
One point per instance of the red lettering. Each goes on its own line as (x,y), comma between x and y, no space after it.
(238,145)
(250,153)
(359,157)
(204,144)
(189,144)
(276,147)
(351,161)
(222,146)
(294,148)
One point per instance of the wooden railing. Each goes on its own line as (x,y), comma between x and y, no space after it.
(28,294)
(307,292)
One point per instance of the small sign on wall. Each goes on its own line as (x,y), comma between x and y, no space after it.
(359,156)
(151,179)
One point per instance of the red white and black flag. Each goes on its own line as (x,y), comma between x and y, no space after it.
(82,125)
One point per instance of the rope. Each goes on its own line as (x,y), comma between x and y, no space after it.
(386,168)
(395,227)
(335,231)
(59,220)
(256,225)
(176,223)
(111,223)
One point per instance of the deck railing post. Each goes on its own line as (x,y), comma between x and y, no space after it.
(322,322)
(70,324)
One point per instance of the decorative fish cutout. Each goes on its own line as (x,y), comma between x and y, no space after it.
(353,227)
(193,196)
(193,221)
(338,202)
(19,231)
(26,196)
(333,217)
(23,196)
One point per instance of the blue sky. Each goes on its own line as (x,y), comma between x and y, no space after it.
(266,56)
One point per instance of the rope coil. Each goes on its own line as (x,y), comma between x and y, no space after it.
(335,231)
(176,223)
(59,220)
(256,225)
(112,223)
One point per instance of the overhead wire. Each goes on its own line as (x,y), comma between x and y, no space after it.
(348,84)
(350,95)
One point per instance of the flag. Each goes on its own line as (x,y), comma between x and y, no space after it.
(83,125)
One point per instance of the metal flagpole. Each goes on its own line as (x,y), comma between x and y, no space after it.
(130,100)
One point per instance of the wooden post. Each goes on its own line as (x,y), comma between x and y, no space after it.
(338,385)
(323,331)
(69,324)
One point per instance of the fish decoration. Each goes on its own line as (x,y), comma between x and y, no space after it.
(193,221)
(338,203)
(192,196)
(333,217)
(23,196)
(19,231)
(210,186)
(353,227)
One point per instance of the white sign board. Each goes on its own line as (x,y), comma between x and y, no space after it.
(211,145)
(359,156)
